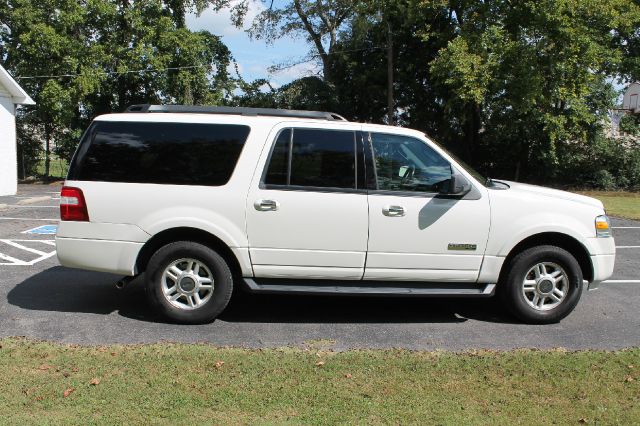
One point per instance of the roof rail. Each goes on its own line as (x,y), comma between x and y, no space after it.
(272,112)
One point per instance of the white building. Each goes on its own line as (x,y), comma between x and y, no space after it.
(631,99)
(11,95)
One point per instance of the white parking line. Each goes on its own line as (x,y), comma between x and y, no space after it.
(627,247)
(12,261)
(27,219)
(33,200)
(621,281)
(20,246)
(625,227)
(15,206)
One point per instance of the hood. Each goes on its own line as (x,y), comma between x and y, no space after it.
(554,193)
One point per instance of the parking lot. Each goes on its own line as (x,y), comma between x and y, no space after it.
(41,299)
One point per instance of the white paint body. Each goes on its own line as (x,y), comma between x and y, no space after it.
(8,156)
(323,234)
(11,95)
(312,234)
(631,98)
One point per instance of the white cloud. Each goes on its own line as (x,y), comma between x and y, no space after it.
(231,68)
(219,23)
(282,77)
(254,57)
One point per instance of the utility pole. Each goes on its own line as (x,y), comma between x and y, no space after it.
(390,103)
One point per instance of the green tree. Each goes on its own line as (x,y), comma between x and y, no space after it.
(517,88)
(319,22)
(81,59)
(630,124)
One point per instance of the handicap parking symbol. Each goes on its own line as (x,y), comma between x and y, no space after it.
(43,230)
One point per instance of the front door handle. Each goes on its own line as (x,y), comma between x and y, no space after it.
(266,205)
(393,211)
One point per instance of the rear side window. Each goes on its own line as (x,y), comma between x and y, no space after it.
(161,153)
(313,158)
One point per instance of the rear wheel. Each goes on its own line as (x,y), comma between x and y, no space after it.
(542,285)
(188,282)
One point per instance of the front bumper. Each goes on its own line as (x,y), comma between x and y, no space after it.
(603,257)
(602,269)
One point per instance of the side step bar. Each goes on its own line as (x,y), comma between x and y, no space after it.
(373,288)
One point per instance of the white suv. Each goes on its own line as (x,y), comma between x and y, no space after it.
(204,199)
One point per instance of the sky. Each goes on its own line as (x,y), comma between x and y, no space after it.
(254,57)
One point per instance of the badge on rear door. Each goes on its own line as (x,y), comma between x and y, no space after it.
(453,246)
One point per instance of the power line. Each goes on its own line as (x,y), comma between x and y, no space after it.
(113,72)
(314,56)
(308,58)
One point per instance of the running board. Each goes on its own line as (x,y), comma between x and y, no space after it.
(373,288)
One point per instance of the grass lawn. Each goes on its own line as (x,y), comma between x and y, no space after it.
(57,167)
(618,204)
(191,384)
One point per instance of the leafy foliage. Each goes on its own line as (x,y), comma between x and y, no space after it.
(630,125)
(99,56)
(317,21)
(520,89)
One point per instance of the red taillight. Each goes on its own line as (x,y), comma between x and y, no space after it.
(72,205)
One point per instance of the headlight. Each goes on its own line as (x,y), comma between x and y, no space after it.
(603,226)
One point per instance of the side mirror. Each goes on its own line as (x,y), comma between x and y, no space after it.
(458,186)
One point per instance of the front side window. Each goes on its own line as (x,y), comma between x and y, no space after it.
(313,158)
(404,163)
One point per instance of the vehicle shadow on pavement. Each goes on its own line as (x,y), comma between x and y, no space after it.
(360,309)
(63,289)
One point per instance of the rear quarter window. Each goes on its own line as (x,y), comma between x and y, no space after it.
(160,153)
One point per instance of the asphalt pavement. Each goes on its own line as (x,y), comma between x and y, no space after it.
(42,300)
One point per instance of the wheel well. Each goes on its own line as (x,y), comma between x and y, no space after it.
(187,234)
(557,239)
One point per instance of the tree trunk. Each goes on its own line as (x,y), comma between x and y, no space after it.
(178,11)
(47,150)
(390,102)
(123,34)
(326,68)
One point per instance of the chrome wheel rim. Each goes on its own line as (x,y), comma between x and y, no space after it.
(545,286)
(187,284)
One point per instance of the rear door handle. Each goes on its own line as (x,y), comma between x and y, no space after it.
(393,211)
(266,205)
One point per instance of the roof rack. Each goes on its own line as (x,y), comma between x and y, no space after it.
(271,112)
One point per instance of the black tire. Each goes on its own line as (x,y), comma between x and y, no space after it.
(511,286)
(218,268)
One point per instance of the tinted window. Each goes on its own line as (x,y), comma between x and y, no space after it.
(323,158)
(278,172)
(167,153)
(407,164)
(318,158)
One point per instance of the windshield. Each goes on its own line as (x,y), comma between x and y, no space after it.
(473,172)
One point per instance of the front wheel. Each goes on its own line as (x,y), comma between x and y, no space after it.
(188,282)
(542,285)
